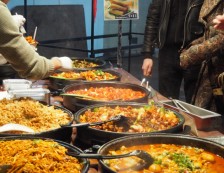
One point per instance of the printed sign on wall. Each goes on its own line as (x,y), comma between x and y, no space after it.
(121,9)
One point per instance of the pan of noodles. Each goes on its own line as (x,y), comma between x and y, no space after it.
(59,80)
(45,120)
(77,96)
(36,155)
(140,118)
(170,152)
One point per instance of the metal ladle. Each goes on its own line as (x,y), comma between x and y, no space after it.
(146,158)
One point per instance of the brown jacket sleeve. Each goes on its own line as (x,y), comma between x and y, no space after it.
(198,52)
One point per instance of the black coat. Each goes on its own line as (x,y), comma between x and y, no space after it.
(157,24)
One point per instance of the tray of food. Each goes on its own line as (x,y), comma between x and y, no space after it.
(45,120)
(77,96)
(140,118)
(88,63)
(59,80)
(36,154)
(171,153)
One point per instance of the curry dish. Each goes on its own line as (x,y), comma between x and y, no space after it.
(140,119)
(168,158)
(33,114)
(37,156)
(108,93)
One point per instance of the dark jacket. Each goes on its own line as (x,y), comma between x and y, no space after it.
(157,22)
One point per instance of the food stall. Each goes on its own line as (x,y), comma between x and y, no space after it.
(125,78)
(103,119)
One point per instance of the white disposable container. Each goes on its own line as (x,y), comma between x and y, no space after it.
(40,94)
(16,84)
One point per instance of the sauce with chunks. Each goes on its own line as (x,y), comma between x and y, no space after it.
(169,158)
(108,93)
(148,118)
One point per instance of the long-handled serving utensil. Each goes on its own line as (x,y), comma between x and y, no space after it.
(146,158)
(15,127)
(117,118)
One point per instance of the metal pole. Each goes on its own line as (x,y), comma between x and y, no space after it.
(129,47)
(92,55)
(25,13)
(119,47)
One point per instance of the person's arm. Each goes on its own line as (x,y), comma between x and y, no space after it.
(150,36)
(219,22)
(196,54)
(18,52)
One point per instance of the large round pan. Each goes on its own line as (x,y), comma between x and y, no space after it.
(69,148)
(74,103)
(92,136)
(59,84)
(136,140)
(62,134)
(100,64)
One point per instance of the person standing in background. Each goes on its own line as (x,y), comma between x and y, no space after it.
(170,26)
(18,52)
(208,49)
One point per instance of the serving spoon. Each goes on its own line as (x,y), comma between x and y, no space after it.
(118,118)
(146,158)
(15,127)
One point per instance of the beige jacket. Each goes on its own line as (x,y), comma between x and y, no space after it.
(17,50)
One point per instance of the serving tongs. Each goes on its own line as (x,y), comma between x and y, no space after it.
(87,97)
(64,78)
(180,106)
(145,162)
(145,82)
(79,96)
(118,118)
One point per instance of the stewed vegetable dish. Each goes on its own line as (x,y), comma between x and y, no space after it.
(90,75)
(168,158)
(37,156)
(142,119)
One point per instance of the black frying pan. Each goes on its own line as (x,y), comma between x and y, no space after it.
(158,139)
(75,103)
(93,136)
